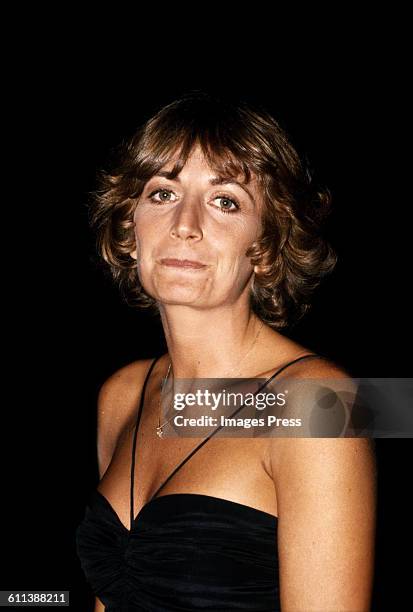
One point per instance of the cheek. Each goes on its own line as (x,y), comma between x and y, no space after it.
(232,261)
(137,240)
(238,242)
(143,234)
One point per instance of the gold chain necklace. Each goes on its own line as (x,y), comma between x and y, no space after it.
(159,429)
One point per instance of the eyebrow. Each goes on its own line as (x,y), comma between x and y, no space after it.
(215,180)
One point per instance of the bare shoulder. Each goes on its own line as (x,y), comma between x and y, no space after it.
(124,383)
(117,401)
(313,386)
(319,367)
(322,372)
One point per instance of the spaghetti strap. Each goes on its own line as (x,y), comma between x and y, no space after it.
(132,472)
(232,415)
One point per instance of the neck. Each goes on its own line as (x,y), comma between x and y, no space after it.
(210,343)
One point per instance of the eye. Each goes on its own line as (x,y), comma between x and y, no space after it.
(161,192)
(231,202)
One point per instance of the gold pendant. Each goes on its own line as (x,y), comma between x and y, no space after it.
(159,432)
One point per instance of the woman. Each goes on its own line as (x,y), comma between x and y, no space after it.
(213,220)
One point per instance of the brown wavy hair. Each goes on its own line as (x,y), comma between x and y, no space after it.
(236,139)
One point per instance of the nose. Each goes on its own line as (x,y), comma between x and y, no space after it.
(187,221)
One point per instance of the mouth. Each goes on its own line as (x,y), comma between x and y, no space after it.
(182,263)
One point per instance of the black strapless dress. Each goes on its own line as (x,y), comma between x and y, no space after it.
(184,551)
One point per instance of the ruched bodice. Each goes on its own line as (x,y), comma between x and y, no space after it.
(184,551)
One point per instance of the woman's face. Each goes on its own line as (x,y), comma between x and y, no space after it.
(190,218)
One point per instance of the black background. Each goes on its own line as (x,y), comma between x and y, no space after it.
(68,327)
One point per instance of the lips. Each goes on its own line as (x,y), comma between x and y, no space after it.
(182,263)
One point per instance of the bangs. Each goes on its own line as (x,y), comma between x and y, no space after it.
(227,147)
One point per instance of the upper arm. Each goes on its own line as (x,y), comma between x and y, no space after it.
(117,401)
(326,491)
(326,495)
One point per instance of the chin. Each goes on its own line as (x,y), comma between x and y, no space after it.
(177,297)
